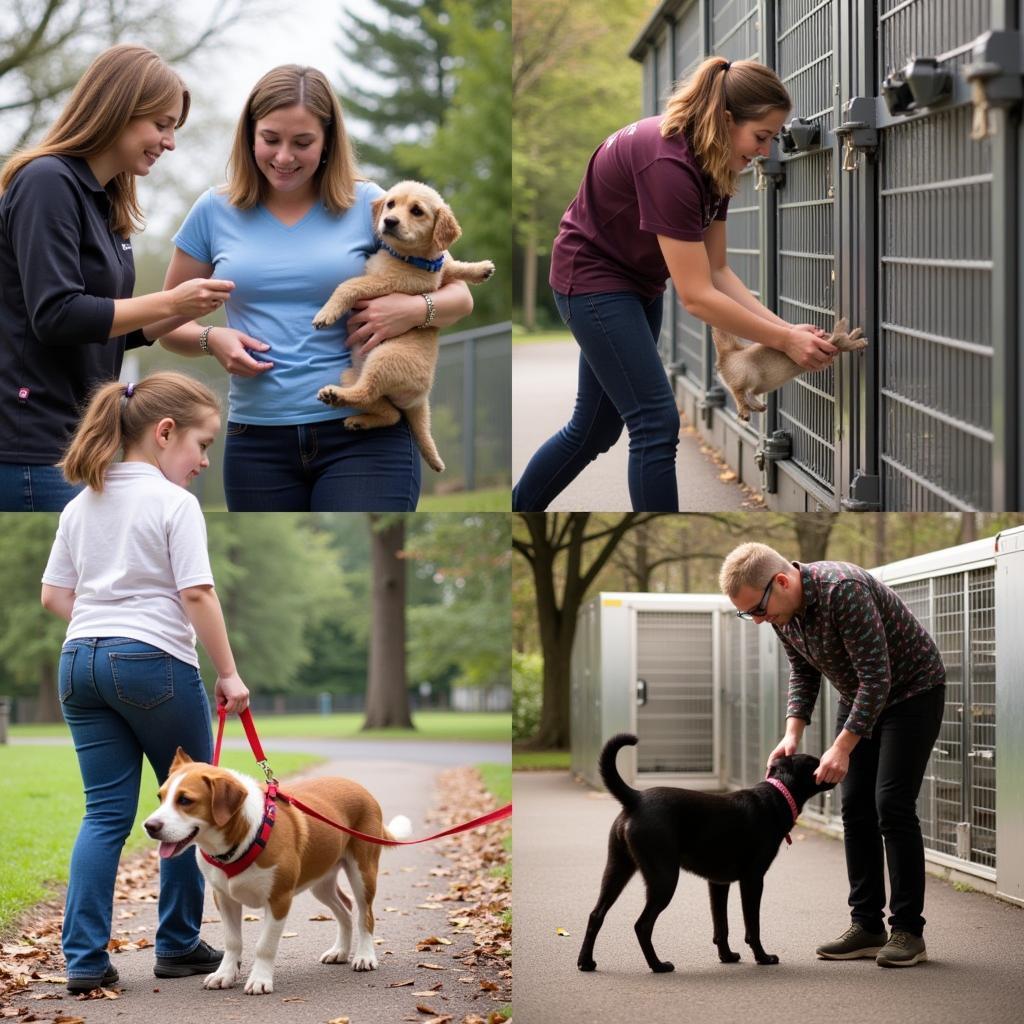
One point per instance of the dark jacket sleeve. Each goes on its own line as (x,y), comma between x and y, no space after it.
(856,619)
(45,232)
(804,683)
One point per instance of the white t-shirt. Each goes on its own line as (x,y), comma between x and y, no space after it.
(126,552)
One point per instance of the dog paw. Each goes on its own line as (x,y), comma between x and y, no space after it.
(663,967)
(354,422)
(364,963)
(259,983)
(335,956)
(766,959)
(586,965)
(220,979)
(487,270)
(325,318)
(329,395)
(729,957)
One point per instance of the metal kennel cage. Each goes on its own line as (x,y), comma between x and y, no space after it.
(893,198)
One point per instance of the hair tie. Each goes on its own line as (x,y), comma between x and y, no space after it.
(129,390)
(727,65)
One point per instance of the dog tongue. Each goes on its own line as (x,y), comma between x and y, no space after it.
(167,850)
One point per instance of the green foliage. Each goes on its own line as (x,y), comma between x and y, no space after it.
(527,672)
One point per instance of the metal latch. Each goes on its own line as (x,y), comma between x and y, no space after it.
(800,135)
(995,76)
(714,398)
(641,692)
(963,840)
(922,83)
(857,132)
(776,448)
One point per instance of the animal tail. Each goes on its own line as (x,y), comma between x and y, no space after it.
(626,795)
(399,827)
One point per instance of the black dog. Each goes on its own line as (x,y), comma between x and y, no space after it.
(723,838)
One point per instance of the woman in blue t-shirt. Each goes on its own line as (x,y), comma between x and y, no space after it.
(293,222)
(652,206)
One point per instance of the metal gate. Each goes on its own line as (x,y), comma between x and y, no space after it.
(675,692)
(741,711)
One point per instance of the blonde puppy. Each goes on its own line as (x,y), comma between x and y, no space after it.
(416,227)
(748,370)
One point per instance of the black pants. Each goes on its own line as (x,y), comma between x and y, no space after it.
(879,803)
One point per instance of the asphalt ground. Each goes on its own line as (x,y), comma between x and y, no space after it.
(974,974)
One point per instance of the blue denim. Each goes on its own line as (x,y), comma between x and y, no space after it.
(321,467)
(33,488)
(123,699)
(621,380)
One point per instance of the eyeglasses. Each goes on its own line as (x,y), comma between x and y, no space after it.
(762,606)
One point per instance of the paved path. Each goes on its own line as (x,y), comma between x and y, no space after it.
(306,991)
(974,941)
(543,389)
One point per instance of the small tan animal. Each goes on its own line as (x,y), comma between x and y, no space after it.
(260,853)
(416,227)
(748,370)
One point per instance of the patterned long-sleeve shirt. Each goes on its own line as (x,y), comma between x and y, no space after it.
(858,633)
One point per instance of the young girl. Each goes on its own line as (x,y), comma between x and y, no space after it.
(293,222)
(130,571)
(652,206)
(68,208)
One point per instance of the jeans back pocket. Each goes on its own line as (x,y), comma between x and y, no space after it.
(143,680)
(65,670)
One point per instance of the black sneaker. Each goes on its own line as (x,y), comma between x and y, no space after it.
(855,942)
(204,959)
(903,949)
(78,985)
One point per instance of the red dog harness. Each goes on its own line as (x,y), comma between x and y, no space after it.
(236,867)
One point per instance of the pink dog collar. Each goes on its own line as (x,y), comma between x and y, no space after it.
(789,800)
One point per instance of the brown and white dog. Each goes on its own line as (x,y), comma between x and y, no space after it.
(416,227)
(224,813)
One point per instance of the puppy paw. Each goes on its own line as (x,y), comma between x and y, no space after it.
(330,395)
(364,963)
(327,316)
(335,955)
(586,965)
(259,983)
(221,978)
(486,270)
(663,967)
(355,422)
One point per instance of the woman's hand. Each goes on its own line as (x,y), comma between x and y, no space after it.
(808,346)
(375,320)
(231,349)
(232,693)
(786,748)
(199,296)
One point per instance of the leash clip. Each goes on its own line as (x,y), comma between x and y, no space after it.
(267,770)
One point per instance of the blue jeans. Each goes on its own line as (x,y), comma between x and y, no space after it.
(321,467)
(123,699)
(621,380)
(33,488)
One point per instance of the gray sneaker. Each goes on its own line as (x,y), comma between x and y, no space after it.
(902,950)
(854,943)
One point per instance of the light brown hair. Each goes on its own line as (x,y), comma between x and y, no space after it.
(115,420)
(287,86)
(747,90)
(750,565)
(121,84)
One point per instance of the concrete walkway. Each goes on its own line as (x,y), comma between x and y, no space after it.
(543,390)
(306,991)
(974,941)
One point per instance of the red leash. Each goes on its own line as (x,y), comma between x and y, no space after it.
(261,760)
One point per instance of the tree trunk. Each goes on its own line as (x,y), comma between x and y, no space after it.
(48,705)
(530,283)
(812,533)
(968,528)
(387,695)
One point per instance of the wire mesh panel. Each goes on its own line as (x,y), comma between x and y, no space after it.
(742,703)
(981,640)
(935,289)
(806,242)
(675,661)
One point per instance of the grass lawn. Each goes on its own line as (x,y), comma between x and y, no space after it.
(540,760)
(498,780)
(480,727)
(493,499)
(43,809)
(525,338)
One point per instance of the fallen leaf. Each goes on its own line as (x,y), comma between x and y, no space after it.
(490,986)
(433,967)
(402,984)
(561,931)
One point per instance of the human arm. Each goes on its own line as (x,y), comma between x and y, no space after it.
(375,320)
(202,607)
(228,346)
(790,742)
(59,600)
(690,269)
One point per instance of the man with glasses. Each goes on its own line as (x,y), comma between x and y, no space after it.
(835,619)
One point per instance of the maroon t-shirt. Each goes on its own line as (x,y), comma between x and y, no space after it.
(637,186)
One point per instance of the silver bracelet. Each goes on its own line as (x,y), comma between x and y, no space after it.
(431,312)
(204,338)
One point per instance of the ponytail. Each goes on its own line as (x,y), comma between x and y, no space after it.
(747,90)
(118,416)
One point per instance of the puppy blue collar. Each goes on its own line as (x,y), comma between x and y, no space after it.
(417,261)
